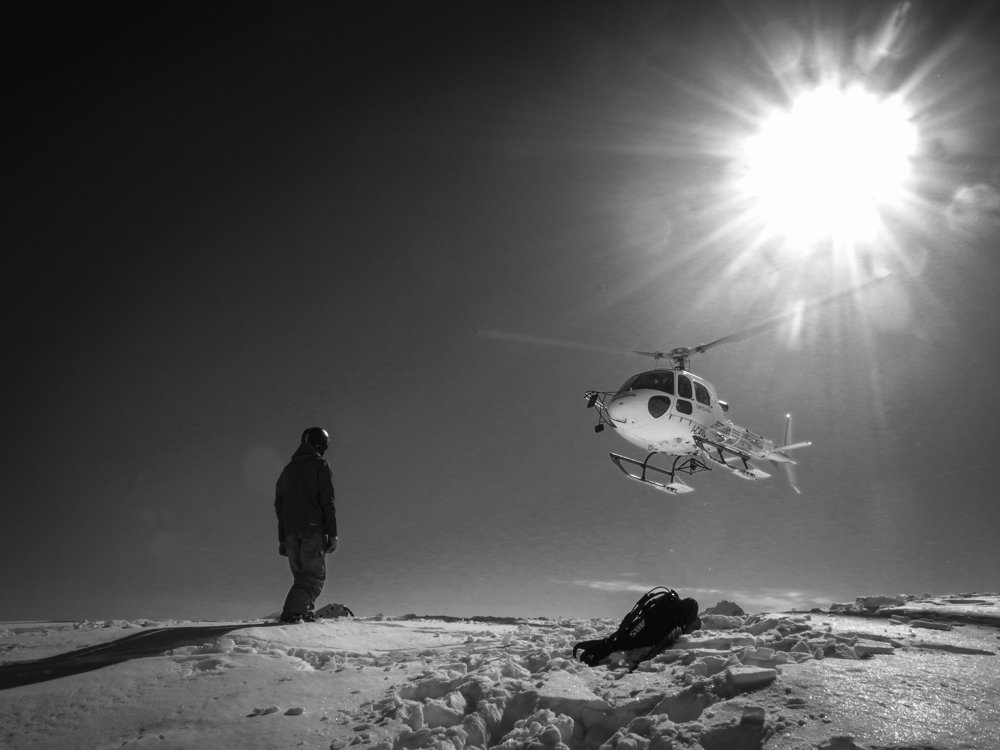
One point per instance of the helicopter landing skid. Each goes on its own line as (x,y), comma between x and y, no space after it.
(682,464)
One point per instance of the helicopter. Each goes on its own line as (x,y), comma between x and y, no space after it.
(676,413)
(673,413)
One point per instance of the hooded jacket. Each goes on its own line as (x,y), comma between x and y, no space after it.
(303,497)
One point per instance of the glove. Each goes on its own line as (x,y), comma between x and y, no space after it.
(281,550)
(331,544)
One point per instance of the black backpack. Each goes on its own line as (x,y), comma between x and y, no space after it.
(658,619)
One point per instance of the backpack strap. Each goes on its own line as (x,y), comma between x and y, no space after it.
(591,652)
(632,618)
(660,592)
(668,639)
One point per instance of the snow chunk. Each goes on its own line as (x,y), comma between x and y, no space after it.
(734,725)
(744,679)
(436,685)
(563,688)
(543,727)
(868,648)
(687,705)
(726,608)
(721,622)
(711,643)
(444,713)
(706,666)
(770,623)
(930,625)
(841,742)
(871,603)
(763,657)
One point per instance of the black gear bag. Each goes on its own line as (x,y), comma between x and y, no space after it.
(658,619)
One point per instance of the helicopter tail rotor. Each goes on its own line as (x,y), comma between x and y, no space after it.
(780,455)
(789,475)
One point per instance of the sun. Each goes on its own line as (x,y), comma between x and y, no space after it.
(823,168)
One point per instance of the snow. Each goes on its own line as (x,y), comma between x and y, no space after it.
(860,675)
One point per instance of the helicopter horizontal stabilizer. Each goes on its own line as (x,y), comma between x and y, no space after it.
(793,446)
(778,455)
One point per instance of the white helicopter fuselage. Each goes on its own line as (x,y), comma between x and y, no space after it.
(678,413)
(636,416)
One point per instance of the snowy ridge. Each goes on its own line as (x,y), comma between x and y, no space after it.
(769,680)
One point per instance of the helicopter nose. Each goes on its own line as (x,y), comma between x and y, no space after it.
(621,408)
(637,408)
(634,408)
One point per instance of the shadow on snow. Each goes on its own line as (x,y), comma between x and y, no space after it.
(150,642)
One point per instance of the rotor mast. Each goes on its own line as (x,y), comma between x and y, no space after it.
(680,357)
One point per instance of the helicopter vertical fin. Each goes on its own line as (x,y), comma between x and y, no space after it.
(788,445)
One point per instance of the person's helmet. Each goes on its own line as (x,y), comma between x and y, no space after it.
(318,438)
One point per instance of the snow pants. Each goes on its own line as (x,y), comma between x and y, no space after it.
(307,559)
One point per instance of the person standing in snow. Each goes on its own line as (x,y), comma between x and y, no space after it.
(307,523)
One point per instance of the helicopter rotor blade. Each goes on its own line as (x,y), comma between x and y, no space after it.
(794,446)
(788,444)
(542,341)
(789,475)
(784,317)
(681,354)
(654,355)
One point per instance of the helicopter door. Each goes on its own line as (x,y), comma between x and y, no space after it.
(701,395)
(685,392)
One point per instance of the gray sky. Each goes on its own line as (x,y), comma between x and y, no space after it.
(232,225)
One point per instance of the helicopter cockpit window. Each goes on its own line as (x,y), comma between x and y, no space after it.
(684,386)
(655,380)
(701,394)
(627,385)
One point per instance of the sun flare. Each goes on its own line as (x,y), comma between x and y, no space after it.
(823,168)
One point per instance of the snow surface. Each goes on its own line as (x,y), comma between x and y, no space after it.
(901,672)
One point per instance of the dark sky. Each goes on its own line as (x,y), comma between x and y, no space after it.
(230,223)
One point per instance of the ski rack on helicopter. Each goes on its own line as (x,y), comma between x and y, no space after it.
(746,471)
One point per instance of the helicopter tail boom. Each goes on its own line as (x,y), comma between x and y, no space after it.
(737,463)
(781,454)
